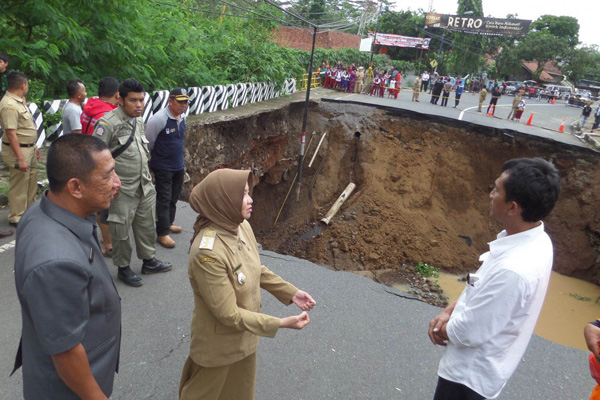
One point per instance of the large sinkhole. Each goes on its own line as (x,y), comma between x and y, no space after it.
(422,186)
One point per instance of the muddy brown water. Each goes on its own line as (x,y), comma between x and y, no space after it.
(569,305)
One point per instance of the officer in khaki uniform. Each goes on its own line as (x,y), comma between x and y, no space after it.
(482,96)
(226,276)
(18,146)
(134,208)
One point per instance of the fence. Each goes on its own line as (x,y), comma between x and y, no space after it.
(314,82)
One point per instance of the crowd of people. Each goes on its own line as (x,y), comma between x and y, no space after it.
(71,310)
(376,82)
(355,79)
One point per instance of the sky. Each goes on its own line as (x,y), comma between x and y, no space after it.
(583,10)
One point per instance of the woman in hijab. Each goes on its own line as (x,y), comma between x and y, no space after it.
(226,276)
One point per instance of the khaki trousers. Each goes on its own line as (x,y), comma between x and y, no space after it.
(22,185)
(132,213)
(232,382)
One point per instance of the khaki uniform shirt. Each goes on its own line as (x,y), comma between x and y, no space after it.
(131,165)
(14,114)
(482,95)
(417,84)
(516,101)
(226,275)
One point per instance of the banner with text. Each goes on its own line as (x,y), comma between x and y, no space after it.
(480,25)
(390,39)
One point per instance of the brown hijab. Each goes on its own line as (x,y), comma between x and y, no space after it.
(218,199)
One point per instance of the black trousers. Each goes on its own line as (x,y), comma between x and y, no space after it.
(493,102)
(456,99)
(448,390)
(168,188)
(445,99)
(424,85)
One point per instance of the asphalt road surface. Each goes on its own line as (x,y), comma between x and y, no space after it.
(363,342)
(546,121)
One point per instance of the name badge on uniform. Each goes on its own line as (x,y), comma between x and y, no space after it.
(241,278)
(208,240)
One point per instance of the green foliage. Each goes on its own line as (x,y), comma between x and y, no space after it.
(582,63)
(579,297)
(562,27)
(4,188)
(425,269)
(53,41)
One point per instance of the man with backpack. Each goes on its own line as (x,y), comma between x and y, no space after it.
(123,130)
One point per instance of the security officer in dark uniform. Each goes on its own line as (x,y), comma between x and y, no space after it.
(123,130)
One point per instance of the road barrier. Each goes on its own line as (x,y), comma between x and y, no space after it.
(315,82)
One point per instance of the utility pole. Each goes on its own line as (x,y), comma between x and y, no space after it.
(375,36)
(306,102)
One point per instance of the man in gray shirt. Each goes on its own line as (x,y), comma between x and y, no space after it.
(70,308)
(71,113)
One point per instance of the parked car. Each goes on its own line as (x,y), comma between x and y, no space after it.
(579,100)
(562,92)
(512,87)
(585,93)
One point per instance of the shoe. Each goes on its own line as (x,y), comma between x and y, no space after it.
(129,277)
(15,224)
(166,241)
(175,229)
(154,266)
(6,233)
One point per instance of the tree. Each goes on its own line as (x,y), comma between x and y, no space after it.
(542,48)
(562,27)
(162,45)
(583,63)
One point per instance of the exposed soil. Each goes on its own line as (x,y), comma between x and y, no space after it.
(421,196)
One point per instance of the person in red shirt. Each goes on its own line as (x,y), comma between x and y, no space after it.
(592,339)
(95,108)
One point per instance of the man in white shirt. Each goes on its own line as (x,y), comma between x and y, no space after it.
(424,81)
(71,113)
(488,329)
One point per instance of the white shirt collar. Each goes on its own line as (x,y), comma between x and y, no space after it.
(505,242)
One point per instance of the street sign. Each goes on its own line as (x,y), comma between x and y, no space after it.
(434,63)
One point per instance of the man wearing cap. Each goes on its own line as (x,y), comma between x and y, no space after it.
(134,210)
(18,146)
(165,133)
